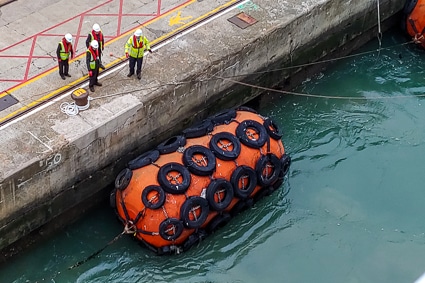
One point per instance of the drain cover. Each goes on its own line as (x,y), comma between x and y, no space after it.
(242,20)
(7,101)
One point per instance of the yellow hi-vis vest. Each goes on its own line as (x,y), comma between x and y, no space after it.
(64,55)
(136,48)
(93,57)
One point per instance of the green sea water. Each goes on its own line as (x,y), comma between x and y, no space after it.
(355,203)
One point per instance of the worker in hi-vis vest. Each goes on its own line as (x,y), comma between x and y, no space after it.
(134,50)
(92,61)
(64,52)
(97,34)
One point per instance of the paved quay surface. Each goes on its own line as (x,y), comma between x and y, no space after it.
(51,162)
(31,32)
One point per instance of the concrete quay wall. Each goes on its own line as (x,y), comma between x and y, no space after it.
(43,178)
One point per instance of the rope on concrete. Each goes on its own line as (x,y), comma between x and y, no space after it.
(234,76)
(72,109)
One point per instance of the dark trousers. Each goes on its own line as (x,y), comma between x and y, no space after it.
(132,62)
(63,67)
(93,79)
(100,56)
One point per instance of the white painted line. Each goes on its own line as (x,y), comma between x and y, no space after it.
(116,68)
(34,136)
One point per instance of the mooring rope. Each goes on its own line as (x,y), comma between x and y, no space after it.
(129,228)
(379,25)
(379,28)
(317,95)
(229,78)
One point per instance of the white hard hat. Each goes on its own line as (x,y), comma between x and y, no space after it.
(68,37)
(96,27)
(138,32)
(94,44)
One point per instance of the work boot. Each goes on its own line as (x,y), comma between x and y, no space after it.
(91,88)
(98,84)
(63,77)
(68,75)
(139,76)
(102,67)
(130,74)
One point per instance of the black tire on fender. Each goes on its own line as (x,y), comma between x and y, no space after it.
(242,205)
(157,200)
(176,183)
(286,163)
(123,179)
(409,5)
(194,238)
(218,221)
(268,169)
(194,212)
(272,129)
(199,130)
(244,181)
(223,117)
(263,192)
(171,145)
(144,159)
(276,185)
(170,229)
(252,134)
(220,194)
(199,160)
(225,146)
(247,109)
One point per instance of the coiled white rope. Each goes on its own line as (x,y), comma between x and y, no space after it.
(72,109)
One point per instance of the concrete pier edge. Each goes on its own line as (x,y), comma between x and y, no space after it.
(58,184)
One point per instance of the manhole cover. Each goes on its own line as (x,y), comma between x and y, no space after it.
(242,20)
(7,101)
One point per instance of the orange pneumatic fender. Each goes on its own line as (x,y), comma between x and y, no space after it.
(191,184)
(414,11)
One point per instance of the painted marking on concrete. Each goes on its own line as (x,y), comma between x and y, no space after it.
(34,136)
(50,162)
(191,26)
(1,194)
(45,34)
(79,80)
(218,12)
(250,6)
(26,81)
(150,22)
(178,19)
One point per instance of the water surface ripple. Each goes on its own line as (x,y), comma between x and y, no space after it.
(354,208)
